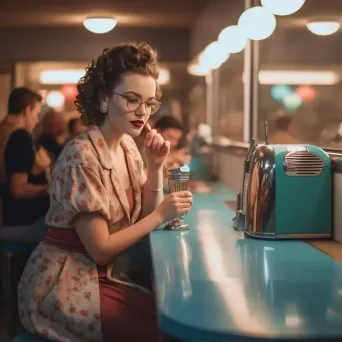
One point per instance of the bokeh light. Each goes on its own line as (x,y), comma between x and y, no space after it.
(69,91)
(196,69)
(278,92)
(306,93)
(292,101)
(55,99)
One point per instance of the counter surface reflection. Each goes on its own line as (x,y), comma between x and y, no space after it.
(212,283)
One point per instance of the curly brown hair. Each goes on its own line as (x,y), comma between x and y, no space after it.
(103,75)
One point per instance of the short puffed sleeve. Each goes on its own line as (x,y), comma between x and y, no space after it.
(73,190)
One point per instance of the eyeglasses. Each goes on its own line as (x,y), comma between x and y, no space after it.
(134,103)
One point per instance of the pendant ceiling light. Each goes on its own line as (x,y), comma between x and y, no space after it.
(323,28)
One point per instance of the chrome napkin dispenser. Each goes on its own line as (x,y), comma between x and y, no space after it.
(286,192)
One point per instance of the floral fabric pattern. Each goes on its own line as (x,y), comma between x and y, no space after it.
(59,290)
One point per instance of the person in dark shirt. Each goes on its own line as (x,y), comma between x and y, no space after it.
(25,196)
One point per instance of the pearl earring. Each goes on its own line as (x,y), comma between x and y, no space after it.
(103,107)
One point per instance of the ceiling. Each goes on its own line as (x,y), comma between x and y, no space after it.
(137,13)
(129,13)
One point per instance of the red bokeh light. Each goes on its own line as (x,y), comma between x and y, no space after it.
(69,91)
(306,93)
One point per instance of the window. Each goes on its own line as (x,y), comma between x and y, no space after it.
(230,106)
(300,78)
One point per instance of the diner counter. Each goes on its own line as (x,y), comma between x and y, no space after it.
(212,283)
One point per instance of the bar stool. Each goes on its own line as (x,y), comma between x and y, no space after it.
(16,246)
(13,257)
(28,337)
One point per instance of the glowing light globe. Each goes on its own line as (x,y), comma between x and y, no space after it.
(213,56)
(323,28)
(258,23)
(233,39)
(99,25)
(282,7)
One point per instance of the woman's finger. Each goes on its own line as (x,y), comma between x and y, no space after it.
(148,127)
(184,194)
(149,138)
(184,206)
(165,149)
(159,147)
(187,200)
(156,139)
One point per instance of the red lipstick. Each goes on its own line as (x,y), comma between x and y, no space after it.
(138,123)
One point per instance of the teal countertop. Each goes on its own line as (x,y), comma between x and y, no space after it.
(212,283)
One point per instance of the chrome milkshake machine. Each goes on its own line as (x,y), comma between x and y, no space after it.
(286,192)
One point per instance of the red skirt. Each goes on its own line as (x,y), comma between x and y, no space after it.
(127,314)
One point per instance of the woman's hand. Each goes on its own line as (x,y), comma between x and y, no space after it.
(156,148)
(175,205)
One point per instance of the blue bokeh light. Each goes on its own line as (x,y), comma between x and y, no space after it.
(279,92)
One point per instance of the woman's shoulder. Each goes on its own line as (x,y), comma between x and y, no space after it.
(78,151)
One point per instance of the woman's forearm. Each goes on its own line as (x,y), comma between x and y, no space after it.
(153,191)
(102,247)
(21,189)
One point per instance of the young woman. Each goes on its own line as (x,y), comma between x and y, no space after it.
(102,203)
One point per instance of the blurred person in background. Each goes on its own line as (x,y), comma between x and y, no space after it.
(25,184)
(284,131)
(230,125)
(78,284)
(52,132)
(172,130)
(75,127)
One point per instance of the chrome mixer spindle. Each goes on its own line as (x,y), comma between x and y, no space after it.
(266,132)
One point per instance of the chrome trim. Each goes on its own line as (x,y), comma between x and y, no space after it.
(303,163)
(272,236)
(260,206)
(304,236)
(245,191)
(296,148)
(225,144)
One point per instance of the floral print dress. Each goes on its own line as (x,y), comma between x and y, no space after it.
(63,295)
